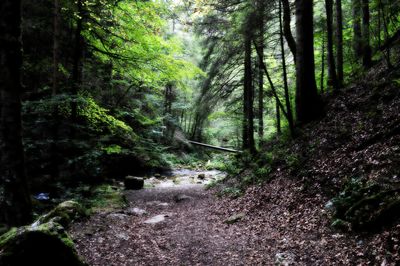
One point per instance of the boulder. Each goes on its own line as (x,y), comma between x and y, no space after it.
(64,214)
(38,244)
(235,218)
(132,182)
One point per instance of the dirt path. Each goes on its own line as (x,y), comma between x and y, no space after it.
(178,222)
(165,225)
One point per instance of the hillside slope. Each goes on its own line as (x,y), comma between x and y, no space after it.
(346,166)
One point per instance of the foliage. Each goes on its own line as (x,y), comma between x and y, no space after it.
(366,206)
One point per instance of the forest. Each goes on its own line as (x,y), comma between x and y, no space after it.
(199,132)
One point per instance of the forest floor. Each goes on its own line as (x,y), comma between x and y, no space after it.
(284,221)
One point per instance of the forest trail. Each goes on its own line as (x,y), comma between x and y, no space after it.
(172,223)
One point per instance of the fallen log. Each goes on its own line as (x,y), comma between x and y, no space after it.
(214,147)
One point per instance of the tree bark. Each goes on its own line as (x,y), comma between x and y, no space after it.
(357,33)
(261,74)
(248,123)
(367,51)
(285,79)
(322,64)
(15,203)
(339,38)
(308,102)
(287,28)
(332,78)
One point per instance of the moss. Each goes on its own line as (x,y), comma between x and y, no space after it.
(64,214)
(43,244)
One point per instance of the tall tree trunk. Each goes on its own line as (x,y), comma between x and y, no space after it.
(308,102)
(339,38)
(15,203)
(261,73)
(322,63)
(248,122)
(367,52)
(278,118)
(332,78)
(287,28)
(357,33)
(386,29)
(285,79)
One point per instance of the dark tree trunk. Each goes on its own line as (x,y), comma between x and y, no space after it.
(332,78)
(278,118)
(367,52)
(55,123)
(322,63)
(339,38)
(261,73)
(357,34)
(15,204)
(308,102)
(287,28)
(285,79)
(248,122)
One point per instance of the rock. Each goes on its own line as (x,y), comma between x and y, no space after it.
(44,244)
(136,212)
(132,182)
(157,176)
(64,214)
(201,176)
(235,218)
(117,216)
(156,219)
(181,197)
(284,259)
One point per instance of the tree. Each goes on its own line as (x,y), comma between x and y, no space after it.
(261,31)
(285,78)
(357,34)
(308,102)
(332,78)
(287,28)
(248,96)
(339,38)
(366,47)
(15,201)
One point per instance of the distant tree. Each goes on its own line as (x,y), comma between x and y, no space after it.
(308,102)
(248,95)
(357,34)
(332,78)
(339,39)
(287,27)
(366,50)
(15,201)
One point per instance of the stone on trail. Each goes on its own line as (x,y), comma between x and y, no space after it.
(284,259)
(133,183)
(235,218)
(135,211)
(156,219)
(181,197)
(201,176)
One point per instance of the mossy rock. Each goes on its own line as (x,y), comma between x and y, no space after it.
(65,213)
(45,244)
